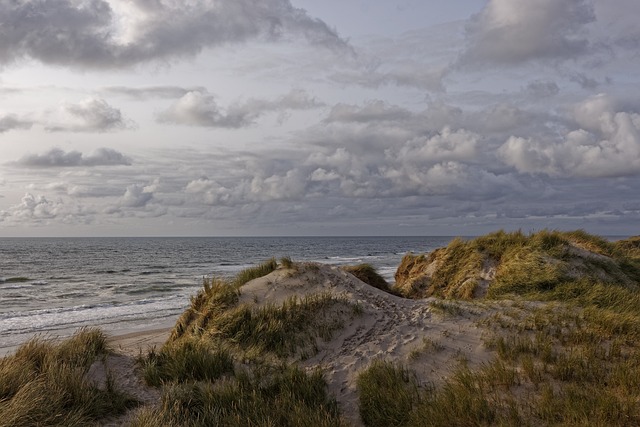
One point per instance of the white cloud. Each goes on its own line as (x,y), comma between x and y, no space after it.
(606,144)
(201,109)
(38,210)
(135,196)
(90,115)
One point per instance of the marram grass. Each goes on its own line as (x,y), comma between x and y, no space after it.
(44,383)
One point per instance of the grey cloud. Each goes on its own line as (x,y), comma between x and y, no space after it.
(584,81)
(507,32)
(101,33)
(542,88)
(418,76)
(376,110)
(605,143)
(144,93)
(90,115)
(59,158)
(12,122)
(201,109)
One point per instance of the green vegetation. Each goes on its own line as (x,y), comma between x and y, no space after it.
(186,360)
(44,384)
(280,396)
(255,272)
(387,394)
(522,265)
(368,274)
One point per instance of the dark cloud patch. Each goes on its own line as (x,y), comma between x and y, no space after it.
(584,81)
(113,34)
(542,88)
(56,158)
(201,109)
(13,122)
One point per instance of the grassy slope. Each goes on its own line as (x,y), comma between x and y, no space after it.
(574,360)
(525,264)
(228,363)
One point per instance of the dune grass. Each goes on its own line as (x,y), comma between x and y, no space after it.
(369,275)
(251,273)
(186,360)
(570,356)
(277,396)
(525,264)
(215,316)
(44,383)
(387,394)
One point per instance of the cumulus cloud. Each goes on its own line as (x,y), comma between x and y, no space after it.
(90,115)
(57,157)
(605,143)
(135,196)
(38,210)
(508,32)
(201,109)
(119,33)
(11,121)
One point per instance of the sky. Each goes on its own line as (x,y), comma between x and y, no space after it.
(306,117)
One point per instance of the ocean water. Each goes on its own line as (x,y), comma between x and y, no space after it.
(52,286)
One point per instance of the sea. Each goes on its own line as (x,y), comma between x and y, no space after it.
(50,287)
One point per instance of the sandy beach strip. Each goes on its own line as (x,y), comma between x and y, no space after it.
(133,343)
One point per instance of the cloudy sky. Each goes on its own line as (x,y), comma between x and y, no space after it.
(306,117)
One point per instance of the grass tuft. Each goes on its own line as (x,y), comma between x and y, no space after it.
(186,360)
(387,394)
(368,274)
(44,383)
(255,272)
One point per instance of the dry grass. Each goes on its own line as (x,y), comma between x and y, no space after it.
(44,383)
(368,274)
(525,264)
(280,396)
